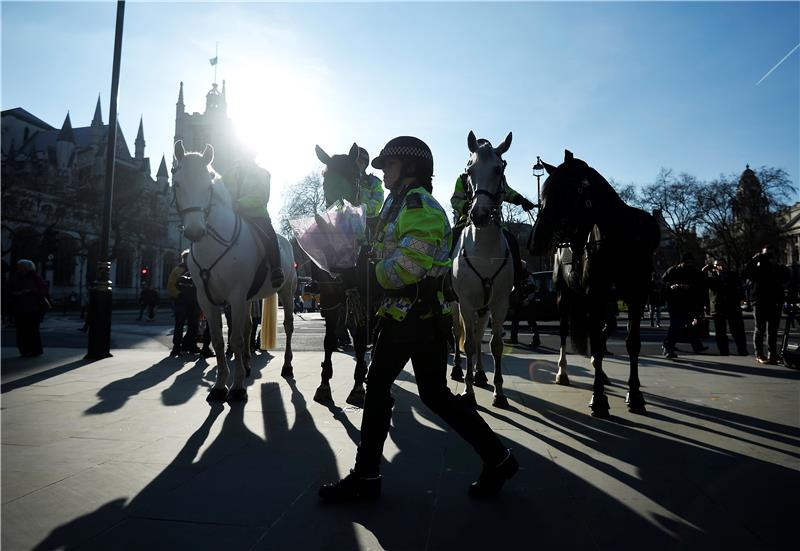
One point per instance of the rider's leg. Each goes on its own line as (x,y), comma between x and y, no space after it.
(514,248)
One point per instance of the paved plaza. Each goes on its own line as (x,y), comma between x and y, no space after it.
(125,453)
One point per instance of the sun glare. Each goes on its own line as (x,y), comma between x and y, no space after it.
(278,116)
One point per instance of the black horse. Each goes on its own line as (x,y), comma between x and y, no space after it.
(342,181)
(604,250)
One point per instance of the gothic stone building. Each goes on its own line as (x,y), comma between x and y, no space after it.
(52,200)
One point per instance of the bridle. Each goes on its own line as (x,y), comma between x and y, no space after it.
(495,214)
(205,273)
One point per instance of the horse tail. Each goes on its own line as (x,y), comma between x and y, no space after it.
(578,312)
(269,322)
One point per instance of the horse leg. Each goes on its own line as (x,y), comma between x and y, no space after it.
(633,343)
(469,355)
(246,354)
(599,401)
(323,393)
(499,399)
(358,393)
(288,327)
(563,332)
(480,378)
(457,373)
(218,392)
(240,313)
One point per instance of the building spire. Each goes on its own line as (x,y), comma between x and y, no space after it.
(139,143)
(66,134)
(180,95)
(97,120)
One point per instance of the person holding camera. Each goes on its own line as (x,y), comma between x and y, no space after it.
(767,281)
(725,294)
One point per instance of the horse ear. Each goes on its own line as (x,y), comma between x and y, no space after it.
(549,168)
(180,152)
(353,154)
(208,154)
(503,147)
(568,155)
(472,141)
(321,155)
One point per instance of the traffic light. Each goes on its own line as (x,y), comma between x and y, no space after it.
(145,274)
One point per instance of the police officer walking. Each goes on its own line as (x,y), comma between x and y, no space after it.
(412,247)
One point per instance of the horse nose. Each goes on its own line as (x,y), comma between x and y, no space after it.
(194,234)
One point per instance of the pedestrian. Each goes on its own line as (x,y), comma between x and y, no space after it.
(767,282)
(187,310)
(725,298)
(148,300)
(521,299)
(684,286)
(30,302)
(655,298)
(411,248)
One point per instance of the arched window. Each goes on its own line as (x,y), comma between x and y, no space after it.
(168,262)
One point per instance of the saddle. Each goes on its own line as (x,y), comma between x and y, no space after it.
(263,266)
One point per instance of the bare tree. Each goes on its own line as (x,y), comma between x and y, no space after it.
(514,214)
(303,199)
(677,198)
(626,192)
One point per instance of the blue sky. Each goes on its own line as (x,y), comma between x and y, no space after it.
(628,87)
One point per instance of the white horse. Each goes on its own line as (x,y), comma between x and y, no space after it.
(483,271)
(225,255)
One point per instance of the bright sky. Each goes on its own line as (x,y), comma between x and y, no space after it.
(628,87)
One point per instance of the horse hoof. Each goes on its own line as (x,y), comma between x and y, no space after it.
(599,406)
(323,394)
(468,398)
(480,379)
(457,375)
(500,401)
(562,380)
(356,397)
(635,401)
(217,395)
(287,372)
(237,395)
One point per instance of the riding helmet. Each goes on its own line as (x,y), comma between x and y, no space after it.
(406,147)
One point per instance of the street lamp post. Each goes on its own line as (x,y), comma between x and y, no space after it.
(538,172)
(101,293)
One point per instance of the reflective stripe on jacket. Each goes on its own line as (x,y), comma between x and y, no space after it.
(412,246)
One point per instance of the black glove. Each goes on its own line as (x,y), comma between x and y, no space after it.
(526,204)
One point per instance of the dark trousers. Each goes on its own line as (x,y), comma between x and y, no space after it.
(186,313)
(429,360)
(29,340)
(151,310)
(721,323)
(680,321)
(767,317)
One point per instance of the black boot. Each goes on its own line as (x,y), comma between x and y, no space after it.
(492,478)
(350,488)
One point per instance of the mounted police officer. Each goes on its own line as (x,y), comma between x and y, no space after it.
(412,250)
(461,201)
(371,189)
(249,187)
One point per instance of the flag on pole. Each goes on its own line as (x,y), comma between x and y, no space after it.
(213,60)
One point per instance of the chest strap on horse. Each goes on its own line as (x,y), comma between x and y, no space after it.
(486,282)
(205,273)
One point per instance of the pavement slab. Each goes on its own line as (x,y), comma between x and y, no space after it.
(125,453)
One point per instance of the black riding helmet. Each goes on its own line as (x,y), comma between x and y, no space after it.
(407,148)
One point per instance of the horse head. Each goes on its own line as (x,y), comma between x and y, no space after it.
(486,176)
(192,184)
(341,177)
(568,210)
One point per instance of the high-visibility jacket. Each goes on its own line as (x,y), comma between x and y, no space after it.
(461,202)
(249,187)
(413,246)
(371,195)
